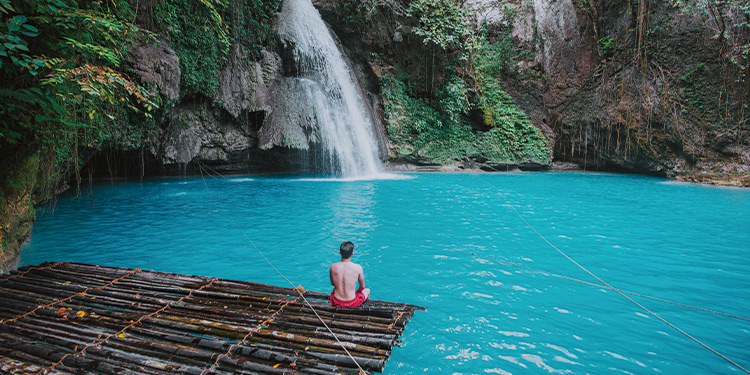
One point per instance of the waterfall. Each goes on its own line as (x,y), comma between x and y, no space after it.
(344,126)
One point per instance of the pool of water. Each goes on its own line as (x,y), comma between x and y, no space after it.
(414,235)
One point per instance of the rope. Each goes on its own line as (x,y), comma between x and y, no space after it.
(256,329)
(132,323)
(623,294)
(79,294)
(547,273)
(398,317)
(217,174)
(33,268)
(301,294)
(607,285)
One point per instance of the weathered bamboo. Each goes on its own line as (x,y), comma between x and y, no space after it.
(325,353)
(148,322)
(379,328)
(16,367)
(385,342)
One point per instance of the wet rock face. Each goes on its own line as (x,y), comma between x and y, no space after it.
(606,107)
(601,109)
(196,133)
(586,88)
(156,62)
(244,86)
(222,130)
(291,122)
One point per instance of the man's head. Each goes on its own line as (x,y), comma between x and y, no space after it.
(346,249)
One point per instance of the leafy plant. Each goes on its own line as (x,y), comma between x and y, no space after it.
(441,22)
(200,38)
(421,132)
(61,88)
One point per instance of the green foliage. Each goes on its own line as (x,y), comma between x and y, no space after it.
(63,91)
(441,131)
(441,22)
(605,45)
(512,130)
(511,133)
(496,58)
(251,21)
(13,44)
(200,38)
(420,131)
(454,100)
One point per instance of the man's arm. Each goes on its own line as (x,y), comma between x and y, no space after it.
(330,275)
(361,279)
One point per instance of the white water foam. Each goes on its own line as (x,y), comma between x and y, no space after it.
(375,177)
(346,130)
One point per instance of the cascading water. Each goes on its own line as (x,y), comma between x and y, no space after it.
(345,128)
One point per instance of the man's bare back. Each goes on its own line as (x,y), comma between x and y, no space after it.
(344,277)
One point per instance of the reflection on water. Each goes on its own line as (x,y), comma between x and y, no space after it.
(415,238)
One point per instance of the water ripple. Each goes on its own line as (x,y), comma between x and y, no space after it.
(686,243)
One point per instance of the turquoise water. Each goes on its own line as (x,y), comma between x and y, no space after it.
(686,243)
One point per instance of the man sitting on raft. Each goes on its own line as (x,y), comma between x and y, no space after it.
(344,277)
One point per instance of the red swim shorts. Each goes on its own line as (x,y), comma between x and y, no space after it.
(359,298)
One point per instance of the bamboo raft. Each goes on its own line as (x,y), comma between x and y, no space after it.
(85,319)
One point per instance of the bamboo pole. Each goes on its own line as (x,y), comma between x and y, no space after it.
(192,332)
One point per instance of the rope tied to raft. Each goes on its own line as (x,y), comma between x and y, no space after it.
(207,168)
(257,328)
(132,323)
(301,294)
(606,285)
(79,294)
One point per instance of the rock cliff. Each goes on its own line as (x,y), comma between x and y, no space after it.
(644,87)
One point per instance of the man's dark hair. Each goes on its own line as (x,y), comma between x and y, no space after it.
(346,249)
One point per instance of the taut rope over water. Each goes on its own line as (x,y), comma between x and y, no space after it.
(620,292)
(214,173)
(297,289)
(547,273)
(605,284)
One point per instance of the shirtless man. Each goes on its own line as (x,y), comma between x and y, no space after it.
(344,277)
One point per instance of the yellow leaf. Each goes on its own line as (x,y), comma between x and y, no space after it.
(122,335)
(91,115)
(61,310)
(81,314)
(276,365)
